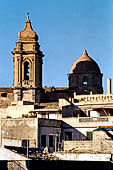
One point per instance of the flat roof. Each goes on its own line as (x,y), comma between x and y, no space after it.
(45,110)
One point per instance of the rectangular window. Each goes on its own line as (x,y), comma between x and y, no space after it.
(25,143)
(68,135)
(43,140)
(89,136)
(58,140)
(50,141)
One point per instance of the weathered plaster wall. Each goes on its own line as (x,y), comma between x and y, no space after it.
(14,131)
(102,142)
(18,111)
(78,146)
(6,97)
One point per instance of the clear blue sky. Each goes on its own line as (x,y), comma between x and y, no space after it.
(65,28)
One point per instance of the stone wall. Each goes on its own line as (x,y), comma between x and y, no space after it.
(96,146)
(78,146)
(6,97)
(52,94)
(15,132)
(94,83)
(102,142)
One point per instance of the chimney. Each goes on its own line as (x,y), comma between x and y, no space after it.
(108,86)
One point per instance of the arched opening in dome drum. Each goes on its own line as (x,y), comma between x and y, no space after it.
(85,91)
(26,70)
(85,81)
(4,95)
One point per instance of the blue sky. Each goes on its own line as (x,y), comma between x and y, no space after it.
(65,28)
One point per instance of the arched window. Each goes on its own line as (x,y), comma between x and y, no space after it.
(85,81)
(85,91)
(4,95)
(26,70)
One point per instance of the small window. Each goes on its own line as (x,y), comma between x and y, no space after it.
(43,140)
(68,135)
(89,136)
(85,81)
(4,95)
(50,141)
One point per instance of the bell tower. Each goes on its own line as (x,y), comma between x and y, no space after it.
(27,60)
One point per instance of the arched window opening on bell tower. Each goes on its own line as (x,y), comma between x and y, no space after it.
(26,70)
(85,81)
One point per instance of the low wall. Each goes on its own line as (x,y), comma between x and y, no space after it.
(98,145)
(78,146)
(84,157)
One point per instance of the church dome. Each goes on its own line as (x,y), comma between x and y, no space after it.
(85,64)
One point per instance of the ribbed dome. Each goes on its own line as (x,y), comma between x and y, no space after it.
(85,64)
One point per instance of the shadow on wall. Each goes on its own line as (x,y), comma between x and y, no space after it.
(72,111)
(71,133)
(108,133)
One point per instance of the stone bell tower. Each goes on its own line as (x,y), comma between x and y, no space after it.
(27,59)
